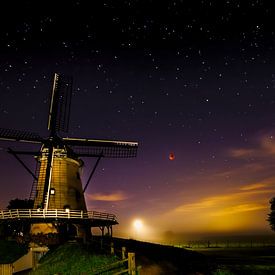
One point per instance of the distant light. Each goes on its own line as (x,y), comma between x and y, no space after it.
(138,224)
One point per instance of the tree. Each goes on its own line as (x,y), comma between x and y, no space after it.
(20,204)
(271,215)
(16,227)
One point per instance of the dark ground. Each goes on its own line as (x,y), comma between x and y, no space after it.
(155,259)
(160,259)
(10,251)
(243,260)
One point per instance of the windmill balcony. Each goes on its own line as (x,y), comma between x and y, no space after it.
(58,214)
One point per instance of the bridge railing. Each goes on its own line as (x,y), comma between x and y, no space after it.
(55,213)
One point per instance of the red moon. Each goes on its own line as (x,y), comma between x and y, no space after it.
(171,156)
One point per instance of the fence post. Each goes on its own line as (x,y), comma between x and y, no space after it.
(131,264)
(123,253)
(112,248)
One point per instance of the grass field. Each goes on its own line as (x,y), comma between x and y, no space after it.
(72,258)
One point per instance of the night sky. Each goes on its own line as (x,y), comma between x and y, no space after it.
(195,78)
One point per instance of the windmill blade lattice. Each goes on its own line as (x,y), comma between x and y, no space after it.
(18,135)
(59,114)
(103,148)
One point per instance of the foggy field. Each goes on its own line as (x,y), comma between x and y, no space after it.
(242,260)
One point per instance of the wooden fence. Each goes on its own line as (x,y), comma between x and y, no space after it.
(6,269)
(127,265)
(224,244)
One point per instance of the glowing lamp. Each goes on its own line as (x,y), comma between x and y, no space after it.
(137,224)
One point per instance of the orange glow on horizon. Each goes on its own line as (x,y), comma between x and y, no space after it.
(244,209)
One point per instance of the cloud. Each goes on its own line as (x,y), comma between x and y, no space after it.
(232,210)
(239,208)
(268,144)
(254,164)
(254,186)
(264,148)
(242,153)
(242,193)
(238,201)
(116,196)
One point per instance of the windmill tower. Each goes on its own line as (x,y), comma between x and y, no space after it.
(57,189)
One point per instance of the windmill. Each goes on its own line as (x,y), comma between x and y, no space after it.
(57,189)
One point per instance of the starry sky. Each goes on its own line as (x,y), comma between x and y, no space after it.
(195,78)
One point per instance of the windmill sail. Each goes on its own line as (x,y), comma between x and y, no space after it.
(103,148)
(17,135)
(59,114)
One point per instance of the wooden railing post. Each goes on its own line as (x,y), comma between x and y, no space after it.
(123,253)
(131,264)
(112,249)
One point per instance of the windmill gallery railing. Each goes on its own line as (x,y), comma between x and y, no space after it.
(56,214)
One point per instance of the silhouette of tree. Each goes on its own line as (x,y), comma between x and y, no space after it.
(15,228)
(20,204)
(271,215)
